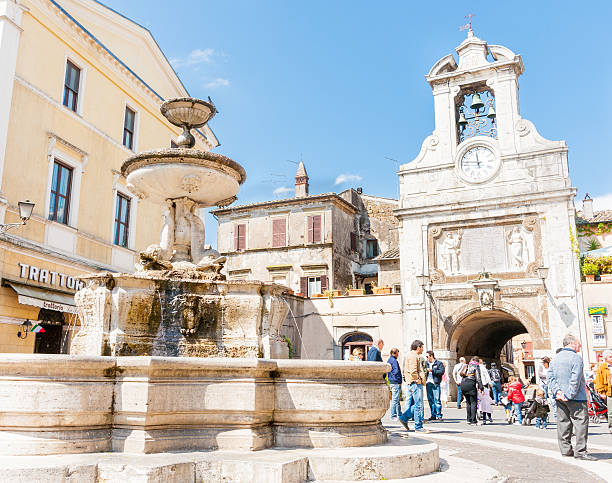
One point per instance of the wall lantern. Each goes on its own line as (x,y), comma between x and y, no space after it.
(24,328)
(543,272)
(25,212)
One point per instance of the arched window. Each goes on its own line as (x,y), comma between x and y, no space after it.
(355,346)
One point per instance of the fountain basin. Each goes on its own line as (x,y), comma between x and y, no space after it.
(59,404)
(172,173)
(159,313)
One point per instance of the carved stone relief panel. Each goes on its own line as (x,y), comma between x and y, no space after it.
(507,246)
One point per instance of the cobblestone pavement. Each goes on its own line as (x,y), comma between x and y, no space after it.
(518,453)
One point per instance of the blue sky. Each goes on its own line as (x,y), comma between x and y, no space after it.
(341,84)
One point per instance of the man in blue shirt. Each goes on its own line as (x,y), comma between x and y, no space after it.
(567,385)
(395,383)
(374,354)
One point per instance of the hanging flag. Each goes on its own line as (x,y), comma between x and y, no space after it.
(38,329)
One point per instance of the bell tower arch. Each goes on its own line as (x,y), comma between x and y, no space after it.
(488,198)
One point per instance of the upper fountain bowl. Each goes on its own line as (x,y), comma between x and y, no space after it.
(188,111)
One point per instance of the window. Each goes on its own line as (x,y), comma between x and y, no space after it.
(128,128)
(61,184)
(279,235)
(122,220)
(397,288)
(353,241)
(71,86)
(371,248)
(314,229)
(240,237)
(313,285)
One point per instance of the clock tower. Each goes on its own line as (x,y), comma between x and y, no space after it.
(487,218)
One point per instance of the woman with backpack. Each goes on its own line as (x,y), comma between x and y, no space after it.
(471,382)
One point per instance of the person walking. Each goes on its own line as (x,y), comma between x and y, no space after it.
(415,378)
(566,381)
(457,378)
(395,383)
(435,371)
(602,382)
(496,382)
(515,394)
(484,374)
(471,382)
(375,352)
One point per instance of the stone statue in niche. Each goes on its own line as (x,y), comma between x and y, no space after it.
(517,248)
(450,249)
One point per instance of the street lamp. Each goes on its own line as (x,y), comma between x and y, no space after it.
(25,212)
(24,328)
(543,272)
(423,281)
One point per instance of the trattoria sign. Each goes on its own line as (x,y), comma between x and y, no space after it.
(42,275)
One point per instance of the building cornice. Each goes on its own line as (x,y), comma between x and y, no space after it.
(333,197)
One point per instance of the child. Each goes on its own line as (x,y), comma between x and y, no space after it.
(506,403)
(485,405)
(515,394)
(541,409)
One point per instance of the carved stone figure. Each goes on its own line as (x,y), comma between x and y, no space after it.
(153,259)
(517,248)
(450,248)
(190,308)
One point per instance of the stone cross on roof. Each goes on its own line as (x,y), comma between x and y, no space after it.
(468,26)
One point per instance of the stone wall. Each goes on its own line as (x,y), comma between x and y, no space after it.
(327,322)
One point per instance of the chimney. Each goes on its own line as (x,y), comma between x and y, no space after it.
(301,182)
(587,207)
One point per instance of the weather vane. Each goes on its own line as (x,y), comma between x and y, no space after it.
(467,26)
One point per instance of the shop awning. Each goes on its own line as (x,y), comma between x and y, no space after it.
(44,298)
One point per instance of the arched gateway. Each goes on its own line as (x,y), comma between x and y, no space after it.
(486,218)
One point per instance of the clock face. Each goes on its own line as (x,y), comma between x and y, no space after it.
(479,163)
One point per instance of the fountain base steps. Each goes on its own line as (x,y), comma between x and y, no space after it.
(399,458)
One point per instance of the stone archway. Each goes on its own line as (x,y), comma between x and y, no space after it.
(474,331)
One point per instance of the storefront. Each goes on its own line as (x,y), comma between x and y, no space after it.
(37,292)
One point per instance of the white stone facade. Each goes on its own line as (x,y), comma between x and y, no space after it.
(508,212)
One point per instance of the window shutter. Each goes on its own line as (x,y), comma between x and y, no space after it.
(323,283)
(304,285)
(310,229)
(236,237)
(316,229)
(278,233)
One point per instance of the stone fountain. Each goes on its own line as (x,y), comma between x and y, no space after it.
(179,375)
(178,302)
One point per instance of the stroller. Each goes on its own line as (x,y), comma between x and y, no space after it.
(596,405)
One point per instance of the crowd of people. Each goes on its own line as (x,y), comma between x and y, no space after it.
(561,391)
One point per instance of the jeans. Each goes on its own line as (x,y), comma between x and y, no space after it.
(541,422)
(433,396)
(396,391)
(517,411)
(496,386)
(459,396)
(414,405)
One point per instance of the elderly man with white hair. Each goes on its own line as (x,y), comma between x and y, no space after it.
(568,386)
(602,382)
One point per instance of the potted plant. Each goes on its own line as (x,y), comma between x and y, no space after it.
(605,268)
(589,270)
(355,291)
(380,290)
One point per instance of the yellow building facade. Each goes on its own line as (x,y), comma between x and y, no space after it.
(80,89)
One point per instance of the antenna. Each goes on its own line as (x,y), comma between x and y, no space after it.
(391,159)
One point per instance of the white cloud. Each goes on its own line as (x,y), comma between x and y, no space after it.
(282,191)
(346,178)
(603,202)
(196,56)
(218,82)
